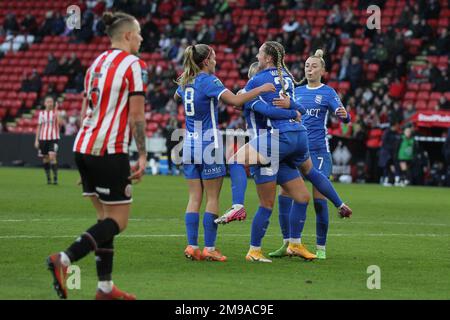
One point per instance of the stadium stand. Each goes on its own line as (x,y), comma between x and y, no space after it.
(382,75)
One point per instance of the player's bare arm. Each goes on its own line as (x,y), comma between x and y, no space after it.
(137,123)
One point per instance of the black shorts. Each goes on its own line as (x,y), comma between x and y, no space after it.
(105,177)
(47,146)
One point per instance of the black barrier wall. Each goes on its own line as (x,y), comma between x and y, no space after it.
(18,149)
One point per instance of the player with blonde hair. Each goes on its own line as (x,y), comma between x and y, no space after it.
(319,100)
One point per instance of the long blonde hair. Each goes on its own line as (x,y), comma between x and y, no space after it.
(253,69)
(194,57)
(277,52)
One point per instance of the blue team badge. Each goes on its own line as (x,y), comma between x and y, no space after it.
(318,99)
(218,83)
(144,76)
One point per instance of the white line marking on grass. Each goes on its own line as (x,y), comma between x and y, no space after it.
(180,219)
(430,235)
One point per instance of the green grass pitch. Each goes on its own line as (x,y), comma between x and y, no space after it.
(404,231)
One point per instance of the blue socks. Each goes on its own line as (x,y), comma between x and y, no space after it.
(324,186)
(284,208)
(297,219)
(210,228)
(259,226)
(321,207)
(191,219)
(238,182)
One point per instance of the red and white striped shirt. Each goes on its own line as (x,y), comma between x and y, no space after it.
(48,120)
(113,77)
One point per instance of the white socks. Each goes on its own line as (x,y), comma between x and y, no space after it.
(295,240)
(105,286)
(64,259)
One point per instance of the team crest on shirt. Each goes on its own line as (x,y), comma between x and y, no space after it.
(318,99)
(218,83)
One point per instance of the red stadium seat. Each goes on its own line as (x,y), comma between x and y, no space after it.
(435,96)
(411,86)
(410,95)
(425,87)
(421,104)
(423,95)
(432,104)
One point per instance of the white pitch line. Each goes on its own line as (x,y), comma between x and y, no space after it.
(182,220)
(429,235)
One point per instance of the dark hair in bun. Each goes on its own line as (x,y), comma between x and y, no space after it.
(114,21)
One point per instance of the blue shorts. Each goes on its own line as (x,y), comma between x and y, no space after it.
(204,171)
(322,161)
(264,174)
(195,167)
(291,147)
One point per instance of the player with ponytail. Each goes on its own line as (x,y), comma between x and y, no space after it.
(292,149)
(318,99)
(200,91)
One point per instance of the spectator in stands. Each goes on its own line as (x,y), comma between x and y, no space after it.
(74,65)
(206,35)
(380,54)
(46,28)
(157,100)
(426,32)
(52,67)
(318,4)
(408,111)
(355,73)
(32,83)
(431,8)
(224,116)
(58,24)
(305,29)
(173,49)
(291,26)
(273,18)
(442,44)
(400,69)
(10,25)
(443,104)
(405,17)
(442,83)
(334,17)
(63,67)
(298,45)
(85,34)
(29,24)
(396,113)
(228,24)
(415,27)
(151,34)
(355,49)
